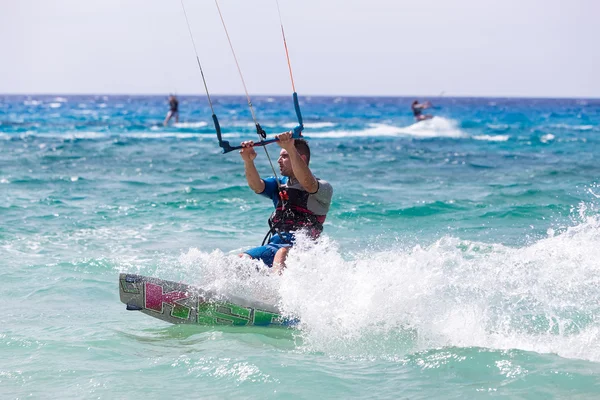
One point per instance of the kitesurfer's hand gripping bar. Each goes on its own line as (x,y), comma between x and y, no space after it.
(296,132)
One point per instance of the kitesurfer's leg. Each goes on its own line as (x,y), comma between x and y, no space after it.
(169,115)
(279,260)
(264,253)
(273,252)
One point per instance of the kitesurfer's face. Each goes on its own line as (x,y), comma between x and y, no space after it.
(285,165)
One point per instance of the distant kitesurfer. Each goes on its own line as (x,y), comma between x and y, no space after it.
(417,109)
(173,110)
(301,200)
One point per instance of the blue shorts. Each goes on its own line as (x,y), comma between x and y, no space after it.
(267,253)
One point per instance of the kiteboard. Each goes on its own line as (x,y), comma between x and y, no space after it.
(179,303)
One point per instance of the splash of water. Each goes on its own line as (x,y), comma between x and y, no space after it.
(543,297)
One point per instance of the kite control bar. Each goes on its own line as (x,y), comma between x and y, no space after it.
(296,132)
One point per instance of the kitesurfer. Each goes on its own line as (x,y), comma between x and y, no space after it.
(417,109)
(301,200)
(173,110)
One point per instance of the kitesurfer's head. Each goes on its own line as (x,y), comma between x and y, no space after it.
(302,147)
(415,102)
(285,165)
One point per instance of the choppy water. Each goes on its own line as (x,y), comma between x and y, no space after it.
(460,258)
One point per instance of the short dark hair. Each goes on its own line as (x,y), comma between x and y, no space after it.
(302,147)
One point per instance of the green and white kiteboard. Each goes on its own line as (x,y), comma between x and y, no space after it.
(179,303)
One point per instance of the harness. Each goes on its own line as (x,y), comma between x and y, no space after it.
(291,214)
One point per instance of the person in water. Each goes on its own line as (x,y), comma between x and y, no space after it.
(417,109)
(173,110)
(301,200)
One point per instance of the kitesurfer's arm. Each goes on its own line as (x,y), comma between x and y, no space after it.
(301,170)
(248,155)
(421,106)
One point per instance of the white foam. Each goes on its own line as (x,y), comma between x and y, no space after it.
(547,138)
(84,135)
(67,135)
(573,127)
(312,125)
(594,194)
(499,127)
(492,138)
(231,135)
(435,127)
(181,125)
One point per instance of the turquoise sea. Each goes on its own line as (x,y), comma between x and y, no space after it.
(460,258)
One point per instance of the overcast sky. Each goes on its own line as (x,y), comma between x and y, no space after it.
(538,48)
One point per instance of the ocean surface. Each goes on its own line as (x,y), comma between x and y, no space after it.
(460,258)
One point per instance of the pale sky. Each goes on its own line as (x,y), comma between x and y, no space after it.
(537,48)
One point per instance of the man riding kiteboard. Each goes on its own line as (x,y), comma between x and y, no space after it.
(301,200)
